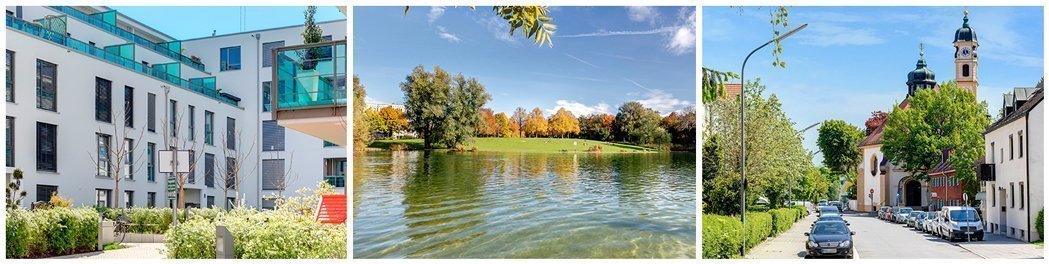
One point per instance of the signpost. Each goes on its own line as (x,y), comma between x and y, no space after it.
(174,163)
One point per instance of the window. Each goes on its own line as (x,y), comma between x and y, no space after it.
(992,154)
(209,128)
(43,192)
(151,161)
(273,174)
(327,38)
(103,168)
(209,170)
(192,119)
(335,171)
(46,85)
(1022,196)
(173,118)
(231,133)
(10,80)
(192,167)
(129,145)
(129,199)
(1020,142)
(229,58)
(46,147)
(151,199)
(102,197)
(10,142)
(231,173)
(269,203)
(994,195)
(965,70)
(230,201)
(1012,195)
(151,112)
(1010,147)
(272,136)
(103,100)
(267,102)
(129,106)
(267,52)
(1001,151)
(210,201)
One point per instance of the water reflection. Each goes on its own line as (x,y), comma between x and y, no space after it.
(420,204)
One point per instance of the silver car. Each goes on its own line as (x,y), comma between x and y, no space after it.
(930,222)
(900,215)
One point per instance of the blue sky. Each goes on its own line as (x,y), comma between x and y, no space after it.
(601,58)
(851,61)
(185,22)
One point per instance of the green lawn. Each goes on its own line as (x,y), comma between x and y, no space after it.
(526,145)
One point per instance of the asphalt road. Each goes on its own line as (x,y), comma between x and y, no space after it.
(877,239)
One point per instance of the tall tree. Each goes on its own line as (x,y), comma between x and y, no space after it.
(504,127)
(597,126)
(361,135)
(519,117)
(536,124)
(393,119)
(426,97)
(488,127)
(375,122)
(563,124)
(838,141)
(467,97)
(947,120)
(640,125)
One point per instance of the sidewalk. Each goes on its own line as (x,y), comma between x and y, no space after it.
(1000,247)
(788,245)
(133,251)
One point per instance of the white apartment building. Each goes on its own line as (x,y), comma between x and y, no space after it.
(211,95)
(1012,174)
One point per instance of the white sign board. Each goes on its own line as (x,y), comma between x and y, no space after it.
(174,161)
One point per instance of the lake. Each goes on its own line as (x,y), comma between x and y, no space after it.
(435,204)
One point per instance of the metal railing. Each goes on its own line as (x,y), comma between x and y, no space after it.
(71,43)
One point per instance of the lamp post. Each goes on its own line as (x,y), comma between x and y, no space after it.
(742,136)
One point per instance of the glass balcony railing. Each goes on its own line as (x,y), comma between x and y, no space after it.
(71,43)
(312,75)
(162,48)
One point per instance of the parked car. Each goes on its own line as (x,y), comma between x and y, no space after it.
(959,222)
(837,204)
(913,218)
(929,225)
(888,213)
(830,218)
(900,213)
(829,238)
(882,212)
(828,210)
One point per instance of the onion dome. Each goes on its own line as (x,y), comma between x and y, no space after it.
(965,33)
(921,77)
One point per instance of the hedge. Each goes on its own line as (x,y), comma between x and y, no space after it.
(51,232)
(782,219)
(266,234)
(759,227)
(1039,224)
(722,236)
(154,220)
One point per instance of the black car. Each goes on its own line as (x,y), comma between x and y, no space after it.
(830,218)
(829,238)
(828,210)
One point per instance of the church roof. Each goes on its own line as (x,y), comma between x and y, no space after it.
(921,74)
(965,33)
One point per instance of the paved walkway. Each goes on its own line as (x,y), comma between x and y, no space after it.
(998,247)
(133,251)
(787,245)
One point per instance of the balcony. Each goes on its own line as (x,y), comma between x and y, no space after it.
(92,51)
(310,91)
(171,50)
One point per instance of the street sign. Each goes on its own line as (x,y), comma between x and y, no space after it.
(872,190)
(174,161)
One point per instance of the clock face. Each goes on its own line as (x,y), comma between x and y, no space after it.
(966,52)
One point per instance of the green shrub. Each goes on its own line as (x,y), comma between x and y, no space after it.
(759,227)
(50,232)
(194,239)
(266,234)
(721,236)
(18,233)
(782,219)
(1039,223)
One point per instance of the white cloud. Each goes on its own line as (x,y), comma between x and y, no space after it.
(663,102)
(682,41)
(498,27)
(825,35)
(435,13)
(680,38)
(580,109)
(605,33)
(642,14)
(443,33)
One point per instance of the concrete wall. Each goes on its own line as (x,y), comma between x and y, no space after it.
(1035,154)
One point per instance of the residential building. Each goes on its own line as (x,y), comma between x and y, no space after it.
(1012,172)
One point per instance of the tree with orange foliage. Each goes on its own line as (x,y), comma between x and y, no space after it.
(488,126)
(597,126)
(536,124)
(393,120)
(504,127)
(563,123)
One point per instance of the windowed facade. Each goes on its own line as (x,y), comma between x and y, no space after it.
(46,85)
(231,173)
(335,171)
(1022,196)
(1011,147)
(267,52)
(192,120)
(231,133)
(1020,142)
(129,106)
(209,128)
(229,58)
(103,100)
(46,147)
(192,167)
(151,112)
(103,169)
(10,142)
(1012,195)
(151,162)
(9,82)
(129,199)
(210,201)
(272,136)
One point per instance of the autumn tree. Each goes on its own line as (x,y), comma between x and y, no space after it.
(504,127)
(597,126)
(520,117)
(361,135)
(375,123)
(393,119)
(563,124)
(536,124)
(488,127)
(640,125)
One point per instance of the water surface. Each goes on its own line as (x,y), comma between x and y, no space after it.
(423,204)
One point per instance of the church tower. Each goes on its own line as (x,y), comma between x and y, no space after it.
(965,59)
(921,77)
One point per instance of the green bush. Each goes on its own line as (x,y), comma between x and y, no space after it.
(721,236)
(266,234)
(58,231)
(782,219)
(759,227)
(1040,224)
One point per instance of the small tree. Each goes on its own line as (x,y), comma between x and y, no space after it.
(120,160)
(311,33)
(15,194)
(234,154)
(361,133)
(838,140)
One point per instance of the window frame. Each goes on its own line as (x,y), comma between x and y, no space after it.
(103,141)
(151,162)
(42,90)
(192,119)
(51,139)
(151,112)
(225,56)
(209,128)
(9,81)
(9,141)
(103,100)
(129,106)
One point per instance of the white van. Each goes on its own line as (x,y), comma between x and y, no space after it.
(959,222)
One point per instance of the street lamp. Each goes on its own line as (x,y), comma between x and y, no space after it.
(742,136)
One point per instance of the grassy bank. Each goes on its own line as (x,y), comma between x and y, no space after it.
(526,145)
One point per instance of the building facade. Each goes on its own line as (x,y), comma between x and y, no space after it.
(1012,173)
(151,92)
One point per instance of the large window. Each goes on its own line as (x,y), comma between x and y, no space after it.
(129,156)
(10,142)
(46,85)
(1022,196)
(192,119)
(272,136)
(129,106)
(267,101)
(43,192)
(209,170)
(10,80)
(231,173)
(46,147)
(267,52)
(209,128)
(151,112)
(103,100)
(210,201)
(151,199)
(229,58)
(103,169)
(335,171)
(102,197)
(151,161)
(173,118)
(129,199)
(1011,147)
(273,174)
(231,133)
(1020,142)
(192,167)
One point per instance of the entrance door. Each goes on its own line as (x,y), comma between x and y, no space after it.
(913,193)
(1002,224)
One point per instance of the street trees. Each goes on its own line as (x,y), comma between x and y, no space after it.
(837,141)
(361,135)
(640,125)
(563,123)
(442,108)
(946,121)
(536,124)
